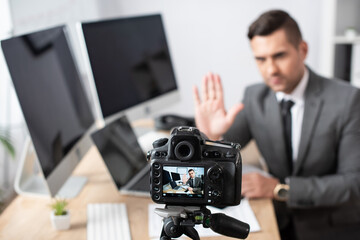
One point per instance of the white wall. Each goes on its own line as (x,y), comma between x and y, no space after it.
(203,35)
(210,35)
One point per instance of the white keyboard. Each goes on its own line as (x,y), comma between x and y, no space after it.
(107,221)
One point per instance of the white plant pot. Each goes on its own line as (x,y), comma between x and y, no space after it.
(60,222)
(350,33)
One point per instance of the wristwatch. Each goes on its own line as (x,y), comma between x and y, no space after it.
(281,192)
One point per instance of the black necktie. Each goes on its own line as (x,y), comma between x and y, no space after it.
(286,117)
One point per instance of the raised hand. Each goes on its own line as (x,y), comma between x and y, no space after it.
(184,178)
(210,115)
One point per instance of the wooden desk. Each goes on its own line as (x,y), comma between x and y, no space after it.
(29,217)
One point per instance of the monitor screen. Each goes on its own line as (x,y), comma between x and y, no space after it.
(175,176)
(130,61)
(166,177)
(50,93)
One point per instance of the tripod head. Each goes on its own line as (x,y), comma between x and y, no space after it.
(179,220)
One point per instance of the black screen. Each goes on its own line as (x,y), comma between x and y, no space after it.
(50,93)
(130,61)
(118,146)
(175,176)
(166,177)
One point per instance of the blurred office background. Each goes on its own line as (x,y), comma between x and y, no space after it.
(203,36)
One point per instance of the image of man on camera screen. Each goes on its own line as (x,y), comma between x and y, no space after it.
(195,183)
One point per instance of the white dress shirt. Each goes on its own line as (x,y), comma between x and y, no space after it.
(297,111)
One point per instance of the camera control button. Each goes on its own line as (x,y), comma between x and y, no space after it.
(157,154)
(156,189)
(206,154)
(215,173)
(156,181)
(216,193)
(156,165)
(230,155)
(217,154)
(156,196)
(156,173)
(163,154)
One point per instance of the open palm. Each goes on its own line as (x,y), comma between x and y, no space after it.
(210,114)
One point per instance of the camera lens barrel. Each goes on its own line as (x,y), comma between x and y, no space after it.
(184,150)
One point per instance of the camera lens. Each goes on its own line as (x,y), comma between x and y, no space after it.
(184,150)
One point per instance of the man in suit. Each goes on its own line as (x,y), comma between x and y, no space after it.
(306,127)
(195,183)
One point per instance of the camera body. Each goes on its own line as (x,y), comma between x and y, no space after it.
(190,170)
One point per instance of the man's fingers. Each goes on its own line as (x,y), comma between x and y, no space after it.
(204,93)
(218,87)
(211,87)
(233,112)
(246,189)
(196,96)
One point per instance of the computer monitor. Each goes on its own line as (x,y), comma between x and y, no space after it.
(175,176)
(166,177)
(54,105)
(131,66)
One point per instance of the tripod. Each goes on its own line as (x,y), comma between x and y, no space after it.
(179,220)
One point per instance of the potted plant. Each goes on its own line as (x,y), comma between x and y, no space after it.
(60,216)
(5,141)
(350,32)
(9,148)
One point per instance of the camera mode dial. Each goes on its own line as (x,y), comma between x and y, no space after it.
(215,173)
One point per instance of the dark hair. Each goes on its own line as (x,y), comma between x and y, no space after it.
(273,20)
(191,170)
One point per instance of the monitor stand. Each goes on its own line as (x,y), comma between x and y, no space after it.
(31,181)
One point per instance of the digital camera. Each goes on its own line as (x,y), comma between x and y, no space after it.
(189,170)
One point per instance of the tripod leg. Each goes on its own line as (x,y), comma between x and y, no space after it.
(191,233)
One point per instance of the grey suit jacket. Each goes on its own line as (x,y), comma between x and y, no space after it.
(325,182)
(197,187)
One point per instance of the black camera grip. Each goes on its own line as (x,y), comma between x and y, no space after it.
(229,226)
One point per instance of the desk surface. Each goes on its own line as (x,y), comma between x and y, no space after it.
(29,217)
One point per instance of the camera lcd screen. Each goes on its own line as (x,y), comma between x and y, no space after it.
(183,182)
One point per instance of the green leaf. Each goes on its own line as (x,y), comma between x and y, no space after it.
(59,206)
(6,142)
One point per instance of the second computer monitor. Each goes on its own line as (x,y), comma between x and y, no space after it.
(131,64)
(175,176)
